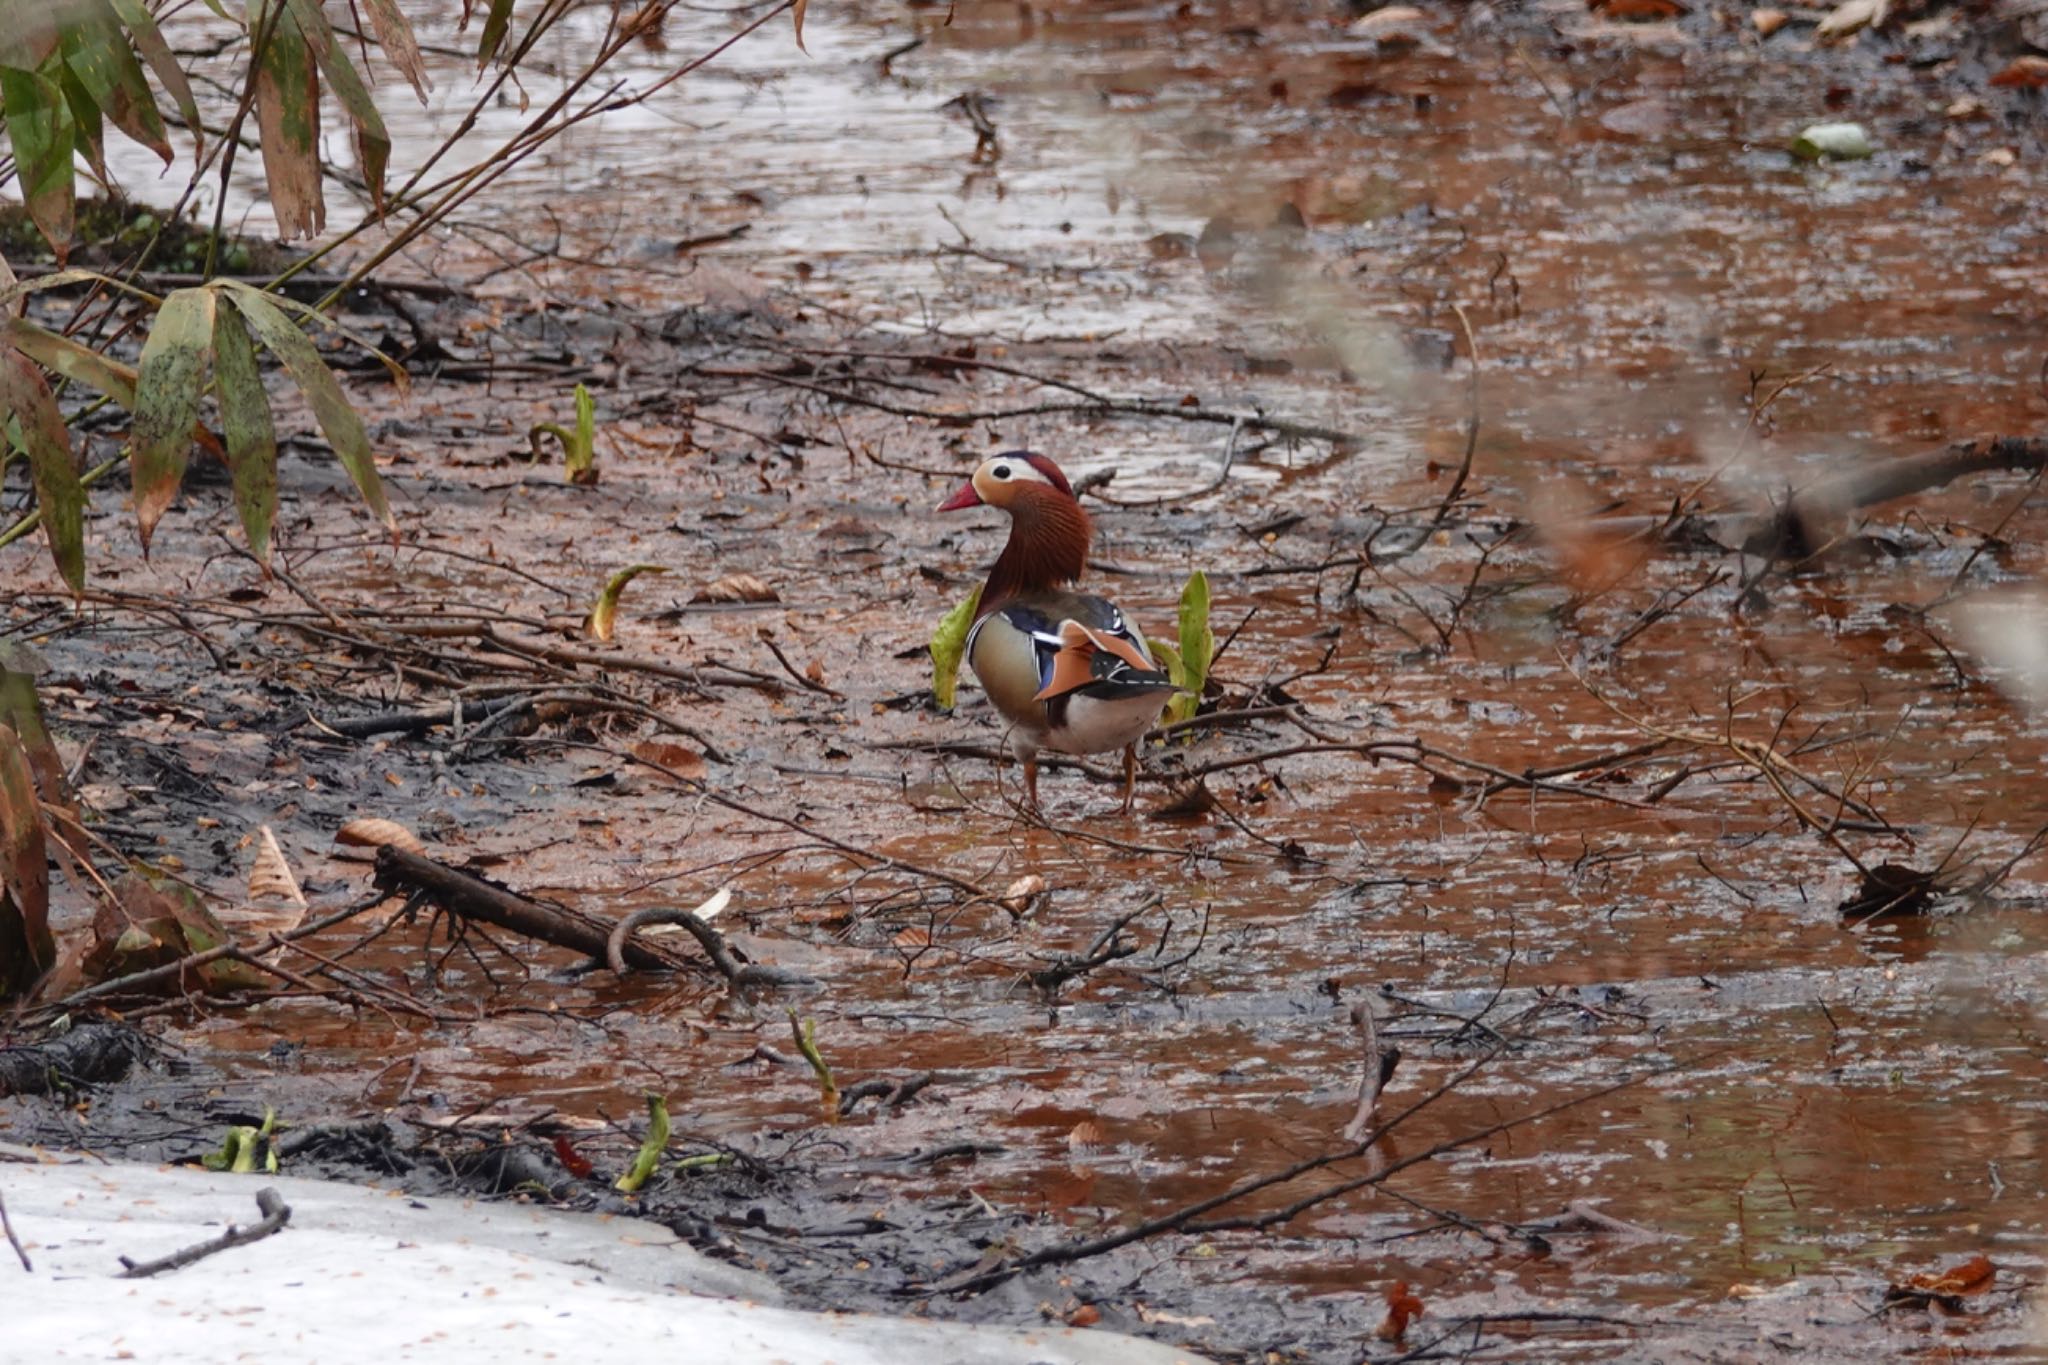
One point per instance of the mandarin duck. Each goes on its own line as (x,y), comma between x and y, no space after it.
(1067,670)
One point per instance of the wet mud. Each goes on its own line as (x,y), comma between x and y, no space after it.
(1538,763)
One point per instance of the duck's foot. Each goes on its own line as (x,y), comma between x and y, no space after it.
(1130,777)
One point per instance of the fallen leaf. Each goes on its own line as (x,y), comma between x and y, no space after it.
(680,760)
(276,904)
(736,587)
(1401,1306)
(573,1161)
(1973,1276)
(370,832)
(1768,21)
(2024,73)
(1085,1136)
(1392,26)
(1086,1315)
(1833,141)
(1018,895)
(1637,11)
(1849,18)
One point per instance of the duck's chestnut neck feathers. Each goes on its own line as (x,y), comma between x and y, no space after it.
(1048,547)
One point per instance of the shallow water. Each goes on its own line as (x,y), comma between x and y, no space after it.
(1638,262)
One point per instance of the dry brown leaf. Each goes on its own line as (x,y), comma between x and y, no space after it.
(374,833)
(270,878)
(1973,1276)
(913,939)
(1085,1136)
(1637,11)
(736,587)
(2024,73)
(680,760)
(1392,26)
(1018,895)
(1768,21)
(1401,1306)
(1086,1315)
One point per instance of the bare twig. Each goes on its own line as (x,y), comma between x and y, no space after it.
(276,1213)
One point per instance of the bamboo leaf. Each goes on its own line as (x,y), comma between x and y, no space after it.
(288,121)
(948,644)
(338,421)
(149,41)
(59,494)
(245,422)
(604,616)
(167,387)
(98,54)
(26,948)
(394,32)
(88,135)
(75,360)
(496,24)
(39,126)
(648,1159)
(12,294)
(373,142)
(29,34)
(18,306)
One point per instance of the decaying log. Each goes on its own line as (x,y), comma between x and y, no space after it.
(1803,523)
(89,1054)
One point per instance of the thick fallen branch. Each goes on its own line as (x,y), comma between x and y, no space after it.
(472,898)
(1799,527)
(276,1213)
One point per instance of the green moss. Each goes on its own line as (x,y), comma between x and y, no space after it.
(110,231)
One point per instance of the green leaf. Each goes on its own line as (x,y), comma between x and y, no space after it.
(581,456)
(167,387)
(343,428)
(948,644)
(98,54)
(288,121)
(75,360)
(88,135)
(373,142)
(1169,659)
(496,24)
(245,422)
(59,494)
(1197,647)
(149,41)
(648,1158)
(604,616)
(40,128)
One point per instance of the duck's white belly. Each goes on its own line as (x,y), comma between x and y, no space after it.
(1095,726)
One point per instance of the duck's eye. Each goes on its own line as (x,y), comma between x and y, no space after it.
(1001,471)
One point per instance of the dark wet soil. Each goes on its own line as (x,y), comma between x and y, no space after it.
(1667,310)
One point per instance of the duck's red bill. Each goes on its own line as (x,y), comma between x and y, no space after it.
(966,497)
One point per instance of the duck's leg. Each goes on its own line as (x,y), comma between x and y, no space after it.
(1031,780)
(1130,776)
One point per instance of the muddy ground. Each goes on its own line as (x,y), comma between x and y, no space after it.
(1674,324)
